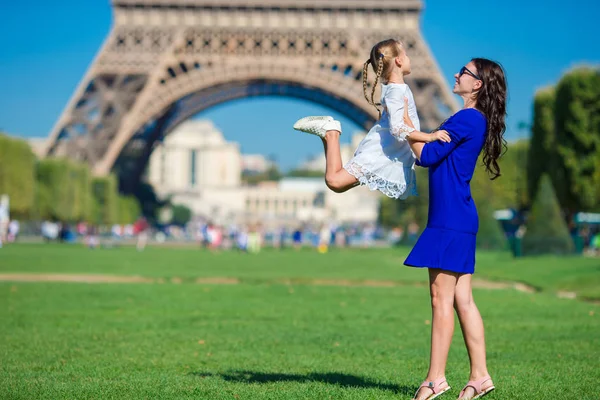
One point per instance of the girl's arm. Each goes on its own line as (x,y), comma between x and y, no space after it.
(423,137)
(401,127)
(416,139)
(416,147)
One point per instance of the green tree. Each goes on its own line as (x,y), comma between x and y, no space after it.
(542,149)
(577,123)
(509,190)
(271,174)
(547,231)
(490,235)
(128,209)
(56,190)
(305,173)
(82,192)
(105,194)
(512,185)
(389,214)
(181,214)
(403,212)
(149,202)
(17,175)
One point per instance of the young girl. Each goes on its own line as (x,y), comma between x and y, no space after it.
(383,160)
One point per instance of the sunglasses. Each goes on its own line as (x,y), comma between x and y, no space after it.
(465,70)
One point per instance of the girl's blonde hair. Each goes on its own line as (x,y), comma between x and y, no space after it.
(382,61)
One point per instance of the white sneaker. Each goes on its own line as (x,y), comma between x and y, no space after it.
(318,125)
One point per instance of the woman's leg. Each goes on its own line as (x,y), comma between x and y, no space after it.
(473,332)
(441,284)
(336,177)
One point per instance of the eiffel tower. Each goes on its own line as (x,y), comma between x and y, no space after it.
(166,60)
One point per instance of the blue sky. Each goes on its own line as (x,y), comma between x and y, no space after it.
(46,47)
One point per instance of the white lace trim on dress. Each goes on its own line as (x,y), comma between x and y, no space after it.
(367,178)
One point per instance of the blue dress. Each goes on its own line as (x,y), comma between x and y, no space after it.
(448,241)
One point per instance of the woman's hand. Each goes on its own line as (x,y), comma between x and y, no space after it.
(407,120)
(441,135)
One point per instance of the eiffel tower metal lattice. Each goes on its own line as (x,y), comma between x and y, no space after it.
(166,60)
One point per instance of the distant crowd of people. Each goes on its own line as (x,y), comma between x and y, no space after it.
(252,238)
(247,238)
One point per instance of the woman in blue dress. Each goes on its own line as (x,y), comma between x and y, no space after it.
(447,245)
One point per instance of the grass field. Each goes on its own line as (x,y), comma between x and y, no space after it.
(294,327)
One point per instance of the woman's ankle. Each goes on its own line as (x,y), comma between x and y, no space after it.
(477,374)
(435,377)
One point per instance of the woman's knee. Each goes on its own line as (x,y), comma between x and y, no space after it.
(441,301)
(463,302)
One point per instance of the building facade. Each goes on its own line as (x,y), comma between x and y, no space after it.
(197,167)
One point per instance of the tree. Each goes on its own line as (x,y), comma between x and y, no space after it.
(61,187)
(270,174)
(577,123)
(305,173)
(17,175)
(82,192)
(149,202)
(181,214)
(547,230)
(105,194)
(490,235)
(509,190)
(542,149)
(128,209)
(513,182)
(403,212)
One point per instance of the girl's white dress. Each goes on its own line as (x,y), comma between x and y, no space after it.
(384,160)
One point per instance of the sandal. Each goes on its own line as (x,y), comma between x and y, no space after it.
(434,387)
(476,385)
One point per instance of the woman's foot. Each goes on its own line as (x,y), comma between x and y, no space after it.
(432,389)
(477,388)
(318,125)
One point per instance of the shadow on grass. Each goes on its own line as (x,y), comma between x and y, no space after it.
(332,378)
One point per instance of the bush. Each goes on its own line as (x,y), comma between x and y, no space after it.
(181,215)
(105,195)
(63,190)
(547,232)
(17,175)
(128,210)
(490,235)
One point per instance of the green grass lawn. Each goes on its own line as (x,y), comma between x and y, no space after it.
(547,274)
(261,339)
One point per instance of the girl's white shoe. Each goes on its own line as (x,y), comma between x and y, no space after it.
(318,125)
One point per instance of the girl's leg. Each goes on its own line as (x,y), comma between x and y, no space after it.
(473,332)
(336,177)
(442,285)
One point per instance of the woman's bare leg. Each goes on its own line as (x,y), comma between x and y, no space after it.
(336,177)
(441,284)
(473,331)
